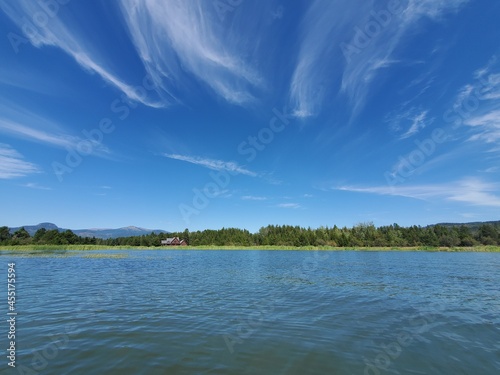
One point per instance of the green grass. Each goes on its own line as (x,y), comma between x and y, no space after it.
(212,247)
(68,247)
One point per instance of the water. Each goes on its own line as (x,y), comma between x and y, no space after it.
(256,312)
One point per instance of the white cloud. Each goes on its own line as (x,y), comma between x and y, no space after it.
(253,198)
(472,191)
(486,88)
(325,51)
(418,123)
(289,205)
(365,66)
(483,96)
(176,36)
(492,91)
(224,194)
(34,185)
(413,119)
(433,9)
(12,164)
(29,133)
(487,126)
(490,170)
(322,27)
(59,139)
(214,164)
(21,123)
(57,33)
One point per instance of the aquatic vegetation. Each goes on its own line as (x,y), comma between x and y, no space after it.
(18,249)
(106,256)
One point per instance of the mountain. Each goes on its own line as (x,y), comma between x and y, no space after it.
(137,231)
(473,226)
(93,232)
(31,229)
(114,233)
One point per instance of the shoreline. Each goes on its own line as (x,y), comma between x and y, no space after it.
(489,249)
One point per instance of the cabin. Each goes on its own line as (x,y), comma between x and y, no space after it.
(173,241)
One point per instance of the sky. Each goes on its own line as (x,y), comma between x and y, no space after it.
(204,114)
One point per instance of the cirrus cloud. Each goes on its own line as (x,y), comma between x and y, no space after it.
(13,165)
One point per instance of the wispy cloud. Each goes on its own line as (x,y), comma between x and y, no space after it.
(487,127)
(174,37)
(253,198)
(218,165)
(24,124)
(483,121)
(490,170)
(29,133)
(418,122)
(433,9)
(322,27)
(226,193)
(289,205)
(12,164)
(57,33)
(366,65)
(34,185)
(323,43)
(471,191)
(59,139)
(410,121)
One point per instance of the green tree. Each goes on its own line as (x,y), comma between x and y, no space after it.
(488,234)
(21,237)
(185,235)
(5,235)
(449,240)
(39,235)
(69,237)
(21,233)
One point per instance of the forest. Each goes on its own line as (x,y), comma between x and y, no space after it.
(360,235)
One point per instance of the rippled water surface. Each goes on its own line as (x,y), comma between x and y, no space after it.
(257,312)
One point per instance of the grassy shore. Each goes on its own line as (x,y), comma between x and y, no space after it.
(322,248)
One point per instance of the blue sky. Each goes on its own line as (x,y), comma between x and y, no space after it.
(234,113)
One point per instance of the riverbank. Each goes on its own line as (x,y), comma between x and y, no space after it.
(303,248)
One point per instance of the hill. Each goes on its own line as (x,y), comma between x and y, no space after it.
(103,233)
(473,226)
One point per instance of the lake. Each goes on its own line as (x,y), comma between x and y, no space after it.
(255,312)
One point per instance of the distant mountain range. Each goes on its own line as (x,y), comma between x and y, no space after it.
(473,226)
(94,232)
(136,231)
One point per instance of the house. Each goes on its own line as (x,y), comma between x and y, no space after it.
(173,241)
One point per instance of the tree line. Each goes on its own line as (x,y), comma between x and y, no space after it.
(360,235)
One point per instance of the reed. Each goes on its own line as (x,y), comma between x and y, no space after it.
(21,248)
